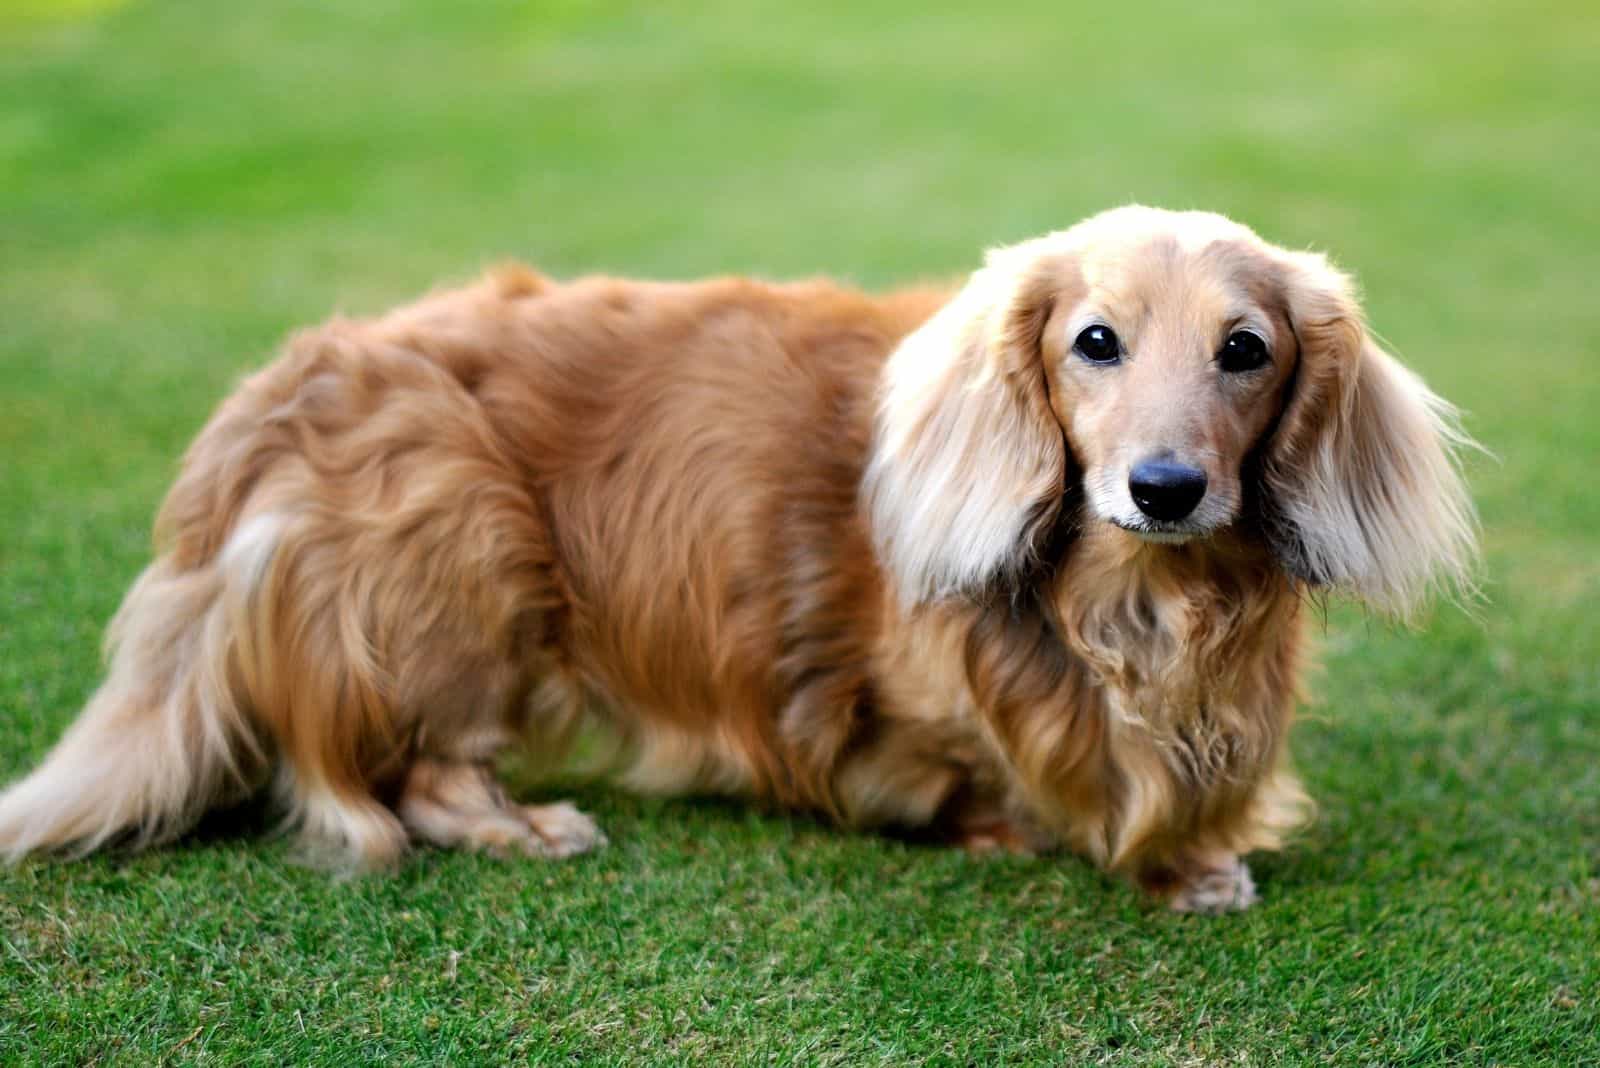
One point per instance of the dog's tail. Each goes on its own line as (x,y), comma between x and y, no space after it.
(165,737)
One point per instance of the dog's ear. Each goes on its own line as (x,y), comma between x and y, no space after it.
(968,462)
(1362,489)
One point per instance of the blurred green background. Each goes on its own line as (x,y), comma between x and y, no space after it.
(181,183)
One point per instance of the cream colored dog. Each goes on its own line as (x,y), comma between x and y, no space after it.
(1026,563)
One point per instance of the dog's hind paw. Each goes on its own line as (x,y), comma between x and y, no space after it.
(459,805)
(561,830)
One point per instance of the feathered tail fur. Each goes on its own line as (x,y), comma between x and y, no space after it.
(162,740)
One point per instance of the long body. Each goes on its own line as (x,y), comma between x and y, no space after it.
(693,512)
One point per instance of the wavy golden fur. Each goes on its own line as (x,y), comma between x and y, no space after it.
(874,557)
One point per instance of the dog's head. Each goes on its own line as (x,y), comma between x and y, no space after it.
(1173,375)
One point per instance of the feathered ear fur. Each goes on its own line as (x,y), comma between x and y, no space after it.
(969,462)
(1362,483)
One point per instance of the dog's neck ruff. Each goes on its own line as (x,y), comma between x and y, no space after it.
(1188,650)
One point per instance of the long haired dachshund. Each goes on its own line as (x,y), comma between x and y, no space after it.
(1023,565)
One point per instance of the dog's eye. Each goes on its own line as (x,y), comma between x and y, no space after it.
(1243,351)
(1098,344)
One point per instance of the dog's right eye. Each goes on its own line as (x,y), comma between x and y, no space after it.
(1098,344)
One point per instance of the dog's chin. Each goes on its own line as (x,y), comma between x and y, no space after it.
(1155,533)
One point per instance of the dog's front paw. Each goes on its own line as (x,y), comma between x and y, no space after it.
(1223,885)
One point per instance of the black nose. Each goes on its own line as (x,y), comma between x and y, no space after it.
(1165,490)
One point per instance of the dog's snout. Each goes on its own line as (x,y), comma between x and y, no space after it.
(1166,490)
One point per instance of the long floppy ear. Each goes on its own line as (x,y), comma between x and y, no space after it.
(1362,483)
(968,462)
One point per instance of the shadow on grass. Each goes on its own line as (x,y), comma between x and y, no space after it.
(715,832)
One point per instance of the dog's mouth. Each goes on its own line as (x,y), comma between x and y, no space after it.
(1159,533)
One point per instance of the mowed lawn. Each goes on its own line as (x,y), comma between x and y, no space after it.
(181,183)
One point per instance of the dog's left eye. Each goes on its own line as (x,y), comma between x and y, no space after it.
(1243,351)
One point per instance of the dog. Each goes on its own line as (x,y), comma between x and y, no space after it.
(1021,564)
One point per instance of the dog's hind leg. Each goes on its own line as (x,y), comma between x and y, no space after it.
(390,595)
(460,805)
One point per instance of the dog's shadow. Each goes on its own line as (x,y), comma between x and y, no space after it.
(1324,858)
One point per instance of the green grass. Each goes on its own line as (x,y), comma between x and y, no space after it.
(183,182)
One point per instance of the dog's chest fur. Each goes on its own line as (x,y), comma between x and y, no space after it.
(1148,695)
(1168,635)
